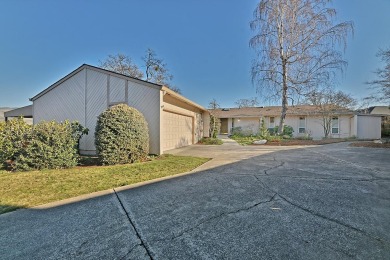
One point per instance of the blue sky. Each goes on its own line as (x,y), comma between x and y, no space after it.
(204,43)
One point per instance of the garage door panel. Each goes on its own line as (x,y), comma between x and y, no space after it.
(177,130)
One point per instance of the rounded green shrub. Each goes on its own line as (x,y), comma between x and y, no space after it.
(46,145)
(121,135)
(53,146)
(15,135)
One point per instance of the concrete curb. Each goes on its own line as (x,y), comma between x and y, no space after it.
(102,193)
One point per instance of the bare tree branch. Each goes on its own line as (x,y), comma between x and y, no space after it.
(122,64)
(296,43)
(382,84)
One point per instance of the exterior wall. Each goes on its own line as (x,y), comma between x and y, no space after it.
(67,101)
(206,124)
(368,127)
(171,104)
(147,101)
(248,125)
(85,95)
(96,102)
(353,126)
(313,125)
(230,125)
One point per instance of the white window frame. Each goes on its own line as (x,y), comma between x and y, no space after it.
(333,126)
(301,130)
(271,124)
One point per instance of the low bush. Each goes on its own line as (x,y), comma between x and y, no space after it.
(15,135)
(47,145)
(287,130)
(53,146)
(236,131)
(210,141)
(121,136)
(274,138)
(304,137)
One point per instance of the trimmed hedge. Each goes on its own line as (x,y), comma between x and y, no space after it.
(14,137)
(121,136)
(47,145)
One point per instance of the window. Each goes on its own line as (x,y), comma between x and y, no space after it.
(232,122)
(271,122)
(335,125)
(302,125)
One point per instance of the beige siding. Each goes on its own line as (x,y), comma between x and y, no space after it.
(177,130)
(117,90)
(175,106)
(85,95)
(147,101)
(368,127)
(206,124)
(248,125)
(96,103)
(313,125)
(63,102)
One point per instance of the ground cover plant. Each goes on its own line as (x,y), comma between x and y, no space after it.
(28,189)
(210,141)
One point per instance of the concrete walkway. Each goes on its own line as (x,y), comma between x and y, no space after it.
(229,152)
(324,202)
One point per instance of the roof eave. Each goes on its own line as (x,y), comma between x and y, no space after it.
(182,98)
(71,74)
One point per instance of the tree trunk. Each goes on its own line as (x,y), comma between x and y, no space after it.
(284,99)
(326,131)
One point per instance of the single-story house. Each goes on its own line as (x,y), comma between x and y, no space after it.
(173,120)
(384,112)
(3,110)
(304,119)
(25,111)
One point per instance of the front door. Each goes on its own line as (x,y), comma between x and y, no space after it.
(224,126)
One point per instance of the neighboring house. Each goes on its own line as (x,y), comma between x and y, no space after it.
(304,119)
(9,113)
(86,92)
(25,111)
(384,112)
(2,111)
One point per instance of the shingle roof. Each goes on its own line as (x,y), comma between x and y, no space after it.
(270,111)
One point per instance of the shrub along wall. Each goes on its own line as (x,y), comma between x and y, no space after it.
(47,145)
(121,135)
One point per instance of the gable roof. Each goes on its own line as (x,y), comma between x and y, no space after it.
(379,110)
(25,111)
(301,110)
(150,84)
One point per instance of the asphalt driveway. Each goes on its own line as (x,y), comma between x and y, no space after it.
(325,202)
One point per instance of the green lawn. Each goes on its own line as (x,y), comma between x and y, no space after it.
(28,189)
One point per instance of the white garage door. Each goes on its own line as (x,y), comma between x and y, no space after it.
(177,130)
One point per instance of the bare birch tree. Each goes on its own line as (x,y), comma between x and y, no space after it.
(382,83)
(297,45)
(122,64)
(329,104)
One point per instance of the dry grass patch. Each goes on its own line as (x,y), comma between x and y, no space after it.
(370,145)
